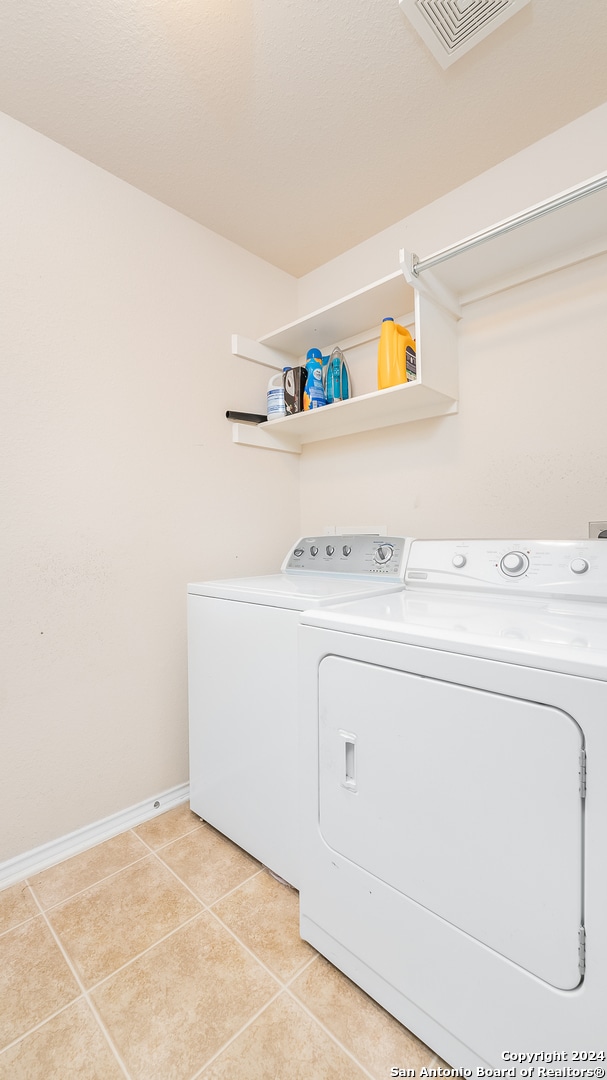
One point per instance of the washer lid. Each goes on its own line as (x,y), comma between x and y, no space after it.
(568,635)
(294,591)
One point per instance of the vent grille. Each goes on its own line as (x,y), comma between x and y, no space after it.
(451,27)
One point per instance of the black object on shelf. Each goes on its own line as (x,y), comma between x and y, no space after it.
(246,417)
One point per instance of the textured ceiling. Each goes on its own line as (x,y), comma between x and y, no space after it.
(296,128)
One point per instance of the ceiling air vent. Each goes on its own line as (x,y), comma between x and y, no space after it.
(451,27)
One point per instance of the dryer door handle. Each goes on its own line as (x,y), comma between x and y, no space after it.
(349,761)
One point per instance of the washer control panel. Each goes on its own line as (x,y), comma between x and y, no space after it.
(361,554)
(575,568)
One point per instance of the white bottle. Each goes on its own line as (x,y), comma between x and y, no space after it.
(276,397)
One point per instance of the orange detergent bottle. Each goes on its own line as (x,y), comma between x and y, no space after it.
(392,354)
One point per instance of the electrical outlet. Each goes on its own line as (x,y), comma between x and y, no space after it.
(596,527)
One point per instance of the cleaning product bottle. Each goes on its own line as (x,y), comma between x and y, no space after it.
(391,354)
(411,363)
(327,382)
(314,394)
(338,383)
(276,397)
(345,382)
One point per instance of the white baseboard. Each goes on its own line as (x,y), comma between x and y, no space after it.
(32,862)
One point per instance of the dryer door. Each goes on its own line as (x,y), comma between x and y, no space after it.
(466,801)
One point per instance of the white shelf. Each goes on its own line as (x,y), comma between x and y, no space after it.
(553,234)
(346,318)
(383,408)
(356,319)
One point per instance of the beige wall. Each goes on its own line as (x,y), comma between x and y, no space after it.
(119,479)
(527,453)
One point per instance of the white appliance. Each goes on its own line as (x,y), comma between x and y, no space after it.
(454,857)
(244,685)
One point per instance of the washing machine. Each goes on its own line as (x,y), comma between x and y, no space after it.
(244,685)
(453,772)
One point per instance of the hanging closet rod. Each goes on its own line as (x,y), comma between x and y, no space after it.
(590,187)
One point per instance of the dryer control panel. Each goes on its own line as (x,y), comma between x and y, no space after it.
(357,555)
(566,568)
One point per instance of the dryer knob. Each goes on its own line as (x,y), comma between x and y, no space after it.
(579,566)
(514,564)
(459,561)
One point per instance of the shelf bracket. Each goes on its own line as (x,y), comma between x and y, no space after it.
(248,349)
(254,435)
(429,285)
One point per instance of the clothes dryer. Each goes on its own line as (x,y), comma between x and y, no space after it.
(454,799)
(244,685)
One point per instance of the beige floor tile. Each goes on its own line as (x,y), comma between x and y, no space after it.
(265,915)
(169,1011)
(68,1047)
(35,980)
(168,826)
(374,1037)
(72,875)
(115,920)
(283,1042)
(209,863)
(16,905)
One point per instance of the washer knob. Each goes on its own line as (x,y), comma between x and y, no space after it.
(298,552)
(514,564)
(346,550)
(329,549)
(384,553)
(579,566)
(313,550)
(459,561)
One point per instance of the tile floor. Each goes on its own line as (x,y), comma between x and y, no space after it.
(167,953)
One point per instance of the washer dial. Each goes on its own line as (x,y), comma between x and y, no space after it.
(383,554)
